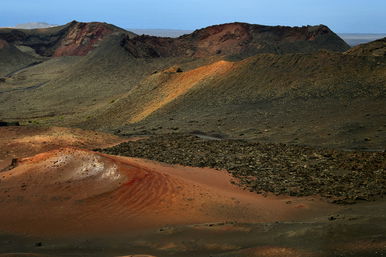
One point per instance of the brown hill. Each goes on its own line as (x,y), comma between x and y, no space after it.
(115,69)
(238,39)
(72,39)
(157,85)
(70,85)
(291,98)
(375,48)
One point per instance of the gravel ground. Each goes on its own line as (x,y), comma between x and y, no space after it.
(342,177)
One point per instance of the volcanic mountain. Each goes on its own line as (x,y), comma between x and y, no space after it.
(34,25)
(299,86)
(239,80)
(238,39)
(227,39)
(72,39)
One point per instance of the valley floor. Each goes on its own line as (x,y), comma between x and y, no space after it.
(71,201)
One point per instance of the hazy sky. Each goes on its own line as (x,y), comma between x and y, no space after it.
(340,15)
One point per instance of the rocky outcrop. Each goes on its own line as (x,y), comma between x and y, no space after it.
(72,39)
(238,39)
(81,38)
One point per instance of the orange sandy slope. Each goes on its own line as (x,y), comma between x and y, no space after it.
(70,191)
(180,84)
(23,141)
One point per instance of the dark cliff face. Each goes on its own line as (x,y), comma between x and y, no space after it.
(238,39)
(72,39)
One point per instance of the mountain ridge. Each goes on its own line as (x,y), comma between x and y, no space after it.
(237,39)
(237,80)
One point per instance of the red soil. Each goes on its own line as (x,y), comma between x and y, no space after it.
(72,191)
(18,142)
(82,38)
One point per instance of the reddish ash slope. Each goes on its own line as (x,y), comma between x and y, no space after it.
(71,191)
(176,86)
(81,38)
(72,39)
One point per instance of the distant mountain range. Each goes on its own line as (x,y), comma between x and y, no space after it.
(161,32)
(352,39)
(34,25)
(296,85)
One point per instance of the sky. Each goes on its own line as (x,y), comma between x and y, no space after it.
(342,16)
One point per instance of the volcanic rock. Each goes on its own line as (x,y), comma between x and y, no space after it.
(237,39)
(72,39)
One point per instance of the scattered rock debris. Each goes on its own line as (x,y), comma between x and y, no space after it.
(341,176)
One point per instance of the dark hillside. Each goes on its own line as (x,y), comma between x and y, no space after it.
(238,40)
(375,48)
(323,98)
(11,59)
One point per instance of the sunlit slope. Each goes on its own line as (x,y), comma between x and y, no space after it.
(265,77)
(67,86)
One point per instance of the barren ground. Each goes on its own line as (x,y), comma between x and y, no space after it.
(66,201)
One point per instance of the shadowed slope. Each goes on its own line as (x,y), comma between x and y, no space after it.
(119,86)
(12,59)
(241,92)
(98,79)
(111,72)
